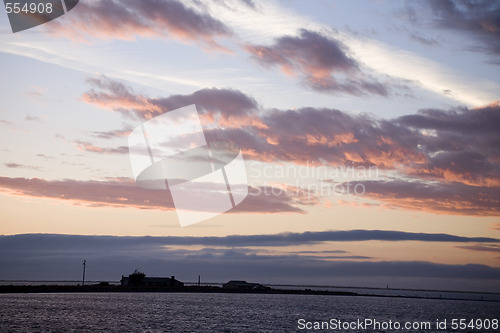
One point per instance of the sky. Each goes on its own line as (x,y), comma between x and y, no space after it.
(370,132)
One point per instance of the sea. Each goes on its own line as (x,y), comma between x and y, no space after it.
(220,312)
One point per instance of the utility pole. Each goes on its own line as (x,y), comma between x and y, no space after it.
(83,280)
(199,278)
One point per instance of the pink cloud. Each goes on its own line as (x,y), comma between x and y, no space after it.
(128,19)
(322,63)
(123,193)
(113,95)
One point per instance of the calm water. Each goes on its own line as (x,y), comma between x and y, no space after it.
(182,312)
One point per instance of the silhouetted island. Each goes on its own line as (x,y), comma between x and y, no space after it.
(106,287)
(137,282)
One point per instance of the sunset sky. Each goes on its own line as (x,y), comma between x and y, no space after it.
(397,102)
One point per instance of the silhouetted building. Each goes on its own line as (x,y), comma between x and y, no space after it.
(243,285)
(153,282)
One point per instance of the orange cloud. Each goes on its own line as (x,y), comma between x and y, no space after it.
(437,198)
(461,156)
(448,175)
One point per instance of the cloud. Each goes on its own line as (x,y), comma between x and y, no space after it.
(89,147)
(306,134)
(118,193)
(36,92)
(107,135)
(482,248)
(13,165)
(326,133)
(439,198)
(321,252)
(124,193)
(228,107)
(446,151)
(249,3)
(45,156)
(6,122)
(479,20)
(128,19)
(337,138)
(114,95)
(33,118)
(240,241)
(321,62)
(58,257)
(423,40)
(21,166)
(459,144)
(279,202)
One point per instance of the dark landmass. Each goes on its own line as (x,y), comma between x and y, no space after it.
(105,287)
(6,289)
(395,289)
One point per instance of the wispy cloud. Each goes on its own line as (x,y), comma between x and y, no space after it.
(21,166)
(36,91)
(481,248)
(422,72)
(107,135)
(33,118)
(423,40)
(6,122)
(90,147)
